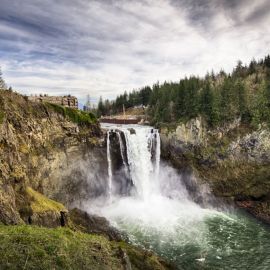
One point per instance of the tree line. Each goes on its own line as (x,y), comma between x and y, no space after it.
(219,98)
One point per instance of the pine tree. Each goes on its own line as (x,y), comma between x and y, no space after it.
(206,101)
(209,105)
(242,100)
(101,107)
(228,101)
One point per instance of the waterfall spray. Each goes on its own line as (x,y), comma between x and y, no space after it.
(157,153)
(161,216)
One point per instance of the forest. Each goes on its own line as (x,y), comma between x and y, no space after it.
(219,98)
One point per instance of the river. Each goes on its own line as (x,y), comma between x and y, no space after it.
(157,212)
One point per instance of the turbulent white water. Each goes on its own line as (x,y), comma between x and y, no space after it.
(160,203)
(157,153)
(160,215)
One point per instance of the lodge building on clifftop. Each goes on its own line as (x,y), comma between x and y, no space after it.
(66,101)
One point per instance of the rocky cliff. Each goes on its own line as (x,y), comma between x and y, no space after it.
(51,158)
(48,151)
(232,160)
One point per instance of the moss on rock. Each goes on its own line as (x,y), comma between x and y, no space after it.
(39,203)
(74,115)
(233,160)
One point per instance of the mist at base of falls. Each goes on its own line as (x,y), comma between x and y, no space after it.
(157,212)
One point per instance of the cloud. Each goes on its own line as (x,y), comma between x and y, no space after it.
(106,47)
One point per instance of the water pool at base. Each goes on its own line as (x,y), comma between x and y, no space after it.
(159,214)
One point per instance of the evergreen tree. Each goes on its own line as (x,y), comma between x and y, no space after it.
(220,98)
(227,102)
(100,108)
(206,101)
(242,101)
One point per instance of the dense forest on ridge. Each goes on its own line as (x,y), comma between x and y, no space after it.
(219,98)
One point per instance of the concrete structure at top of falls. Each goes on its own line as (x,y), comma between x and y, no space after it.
(66,101)
(141,147)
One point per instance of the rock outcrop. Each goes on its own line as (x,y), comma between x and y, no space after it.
(93,224)
(42,149)
(50,158)
(233,160)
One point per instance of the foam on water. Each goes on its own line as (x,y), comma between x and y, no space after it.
(161,216)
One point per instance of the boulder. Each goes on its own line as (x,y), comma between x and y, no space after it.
(93,224)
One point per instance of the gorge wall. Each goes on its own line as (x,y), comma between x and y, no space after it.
(50,158)
(43,152)
(233,160)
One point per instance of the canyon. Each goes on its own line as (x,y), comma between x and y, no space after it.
(174,191)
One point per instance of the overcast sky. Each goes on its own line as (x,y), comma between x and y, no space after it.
(106,47)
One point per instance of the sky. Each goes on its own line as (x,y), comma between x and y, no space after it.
(105,47)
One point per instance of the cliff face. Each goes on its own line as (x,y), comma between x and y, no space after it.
(43,150)
(50,158)
(233,160)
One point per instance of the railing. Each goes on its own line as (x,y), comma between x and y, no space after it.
(119,121)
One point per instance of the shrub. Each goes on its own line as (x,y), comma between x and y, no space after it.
(74,115)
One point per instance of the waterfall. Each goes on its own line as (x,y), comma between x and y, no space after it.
(141,165)
(157,153)
(158,213)
(122,152)
(139,159)
(109,165)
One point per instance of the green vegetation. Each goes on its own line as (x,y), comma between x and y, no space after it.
(25,247)
(31,247)
(135,98)
(57,108)
(220,98)
(74,115)
(40,203)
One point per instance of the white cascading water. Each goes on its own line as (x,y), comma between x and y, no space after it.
(122,151)
(139,159)
(160,215)
(157,153)
(159,196)
(109,160)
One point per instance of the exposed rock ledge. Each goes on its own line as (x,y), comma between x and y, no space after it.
(234,160)
(42,149)
(45,157)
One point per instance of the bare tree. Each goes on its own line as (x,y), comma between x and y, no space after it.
(2,82)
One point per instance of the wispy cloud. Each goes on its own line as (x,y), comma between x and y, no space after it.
(106,47)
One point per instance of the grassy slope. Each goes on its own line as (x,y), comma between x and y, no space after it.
(74,115)
(40,203)
(30,247)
